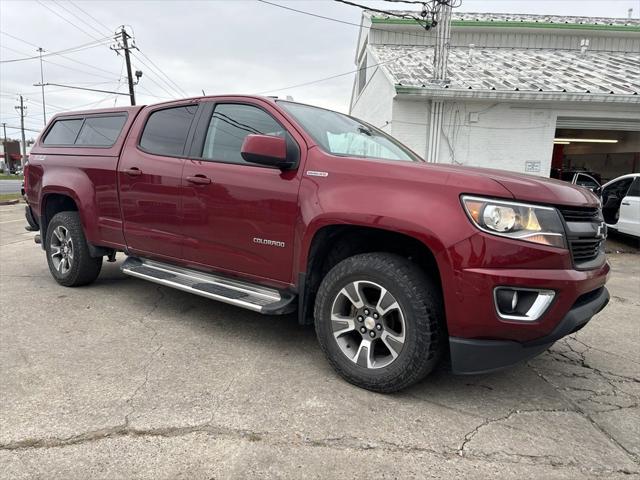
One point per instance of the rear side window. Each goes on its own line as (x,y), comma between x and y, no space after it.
(166,130)
(63,132)
(100,131)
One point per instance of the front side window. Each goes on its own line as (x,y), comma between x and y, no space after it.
(634,191)
(345,136)
(586,181)
(100,131)
(617,189)
(166,130)
(228,127)
(63,132)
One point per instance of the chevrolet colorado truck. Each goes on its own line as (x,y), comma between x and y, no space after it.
(276,206)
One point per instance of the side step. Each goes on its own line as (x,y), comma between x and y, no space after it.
(235,292)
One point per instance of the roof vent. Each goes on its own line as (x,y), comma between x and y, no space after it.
(584,45)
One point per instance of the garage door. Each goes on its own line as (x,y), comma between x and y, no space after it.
(598,123)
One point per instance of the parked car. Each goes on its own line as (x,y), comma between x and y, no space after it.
(621,204)
(276,206)
(582,178)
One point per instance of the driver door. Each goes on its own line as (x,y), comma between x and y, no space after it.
(629,220)
(239,217)
(612,197)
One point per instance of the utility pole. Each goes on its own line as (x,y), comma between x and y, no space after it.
(440,60)
(124,45)
(44,108)
(21,109)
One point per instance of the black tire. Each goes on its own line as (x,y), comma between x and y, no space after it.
(83,269)
(420,301)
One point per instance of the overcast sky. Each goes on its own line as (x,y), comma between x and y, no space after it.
(219,46)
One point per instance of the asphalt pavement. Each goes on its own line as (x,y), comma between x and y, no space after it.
(125,379)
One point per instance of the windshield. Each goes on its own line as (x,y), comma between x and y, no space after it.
(341,135)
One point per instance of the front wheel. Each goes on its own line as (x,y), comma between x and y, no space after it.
(379,321)
(68,255)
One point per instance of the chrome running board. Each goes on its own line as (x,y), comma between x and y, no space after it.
(234,292)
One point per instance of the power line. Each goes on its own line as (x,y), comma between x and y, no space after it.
(83,88)
(153,74)
(148,93)
(337,75)
(415,2)
(66,66)
(18,128)
(159,77)
(79,48)
(386,12)
(345,22)
(67,20)
(163,73)
(60,55)
(80,70)
(76,16)
(19,39)
(90,16)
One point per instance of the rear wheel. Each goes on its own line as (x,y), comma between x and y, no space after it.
(67,252)
(379,321)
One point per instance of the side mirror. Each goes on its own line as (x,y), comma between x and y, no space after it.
(598,191)
(266,150)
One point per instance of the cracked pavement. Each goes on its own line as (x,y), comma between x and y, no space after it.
(125,379)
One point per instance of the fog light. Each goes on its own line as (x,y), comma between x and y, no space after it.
(524,304)
(507,300)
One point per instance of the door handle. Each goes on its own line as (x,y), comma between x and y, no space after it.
(199,179)
(133,171)
(626,203)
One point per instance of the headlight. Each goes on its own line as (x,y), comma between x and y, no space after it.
(520,221)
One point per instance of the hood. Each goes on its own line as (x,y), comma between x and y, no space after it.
(529,187)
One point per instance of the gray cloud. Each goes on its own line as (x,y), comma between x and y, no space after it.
(239,46)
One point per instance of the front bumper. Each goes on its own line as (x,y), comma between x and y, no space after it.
(470,356)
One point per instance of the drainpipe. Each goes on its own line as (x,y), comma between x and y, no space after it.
(439,80)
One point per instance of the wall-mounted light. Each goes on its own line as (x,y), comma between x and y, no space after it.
(585,140)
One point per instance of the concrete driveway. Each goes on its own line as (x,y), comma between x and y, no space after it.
(125,379)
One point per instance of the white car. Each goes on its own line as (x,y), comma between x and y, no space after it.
(621,204)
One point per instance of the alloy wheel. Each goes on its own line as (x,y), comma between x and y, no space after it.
(368,324)
(61,249)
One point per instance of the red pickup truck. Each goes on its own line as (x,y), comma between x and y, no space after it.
(277,206)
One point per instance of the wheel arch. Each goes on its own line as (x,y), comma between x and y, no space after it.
(53,203)
(333,242)
(69,189)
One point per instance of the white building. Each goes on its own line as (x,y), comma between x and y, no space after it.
(514,83)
